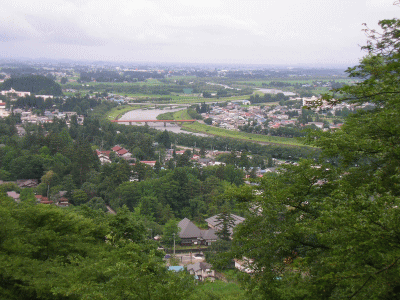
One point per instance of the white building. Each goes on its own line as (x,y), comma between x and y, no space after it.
(3,112)
(12,91)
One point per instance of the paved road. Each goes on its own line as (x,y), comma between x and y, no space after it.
(186,258)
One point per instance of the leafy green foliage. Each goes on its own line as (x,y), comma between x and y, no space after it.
(52,253)
(329,229)
(171,232)
(218,290)
(33,83)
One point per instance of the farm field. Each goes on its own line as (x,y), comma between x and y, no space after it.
(258,83)
(203,128)
(166,91)
(151,82)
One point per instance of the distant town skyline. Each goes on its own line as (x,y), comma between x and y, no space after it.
(302,32)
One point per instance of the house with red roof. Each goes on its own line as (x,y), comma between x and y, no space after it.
(122,152)
(116,148)
(104,156)
(63,202)
(43,200)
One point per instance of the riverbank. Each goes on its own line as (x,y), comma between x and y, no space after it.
(239,135)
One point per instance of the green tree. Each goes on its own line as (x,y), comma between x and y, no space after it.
(231,159)
(225,223)
(27,167)
(36,84)
(253,173)
(244,161)
(83,160)
(47,179)
(38,241)
(217,254)
(202,152)
(79,197)
(125,227)
(207,95)
(328,229)
(164,139)
(170,230)
(183,160)
(68,185)
(208,121)
(141,170)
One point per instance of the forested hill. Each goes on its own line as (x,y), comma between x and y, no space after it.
(35,84)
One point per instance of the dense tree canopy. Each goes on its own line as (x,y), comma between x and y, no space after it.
(52,253)
(329,229)
(35,84)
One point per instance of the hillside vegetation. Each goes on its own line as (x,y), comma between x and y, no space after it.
(35,84)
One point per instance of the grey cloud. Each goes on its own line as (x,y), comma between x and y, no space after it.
(11,36)
(62,31)
(6,37)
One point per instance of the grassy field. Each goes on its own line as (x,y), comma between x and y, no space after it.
(203,128)
(218,290)
(244,136)
(178,98)
(166,116)
(265,104)
(178,115)
(182,115)
(116,112)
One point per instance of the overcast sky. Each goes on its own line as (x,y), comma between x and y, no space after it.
(285,32)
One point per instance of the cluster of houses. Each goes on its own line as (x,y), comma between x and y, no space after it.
(14,93)
(191,235)
(104,156)
(48,116)
(59,199)
(235,115)
(28,116)
(23,183)
(209,160)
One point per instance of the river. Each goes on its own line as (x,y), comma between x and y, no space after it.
(151,114)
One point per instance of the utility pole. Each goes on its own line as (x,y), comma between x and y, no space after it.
(174,242)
